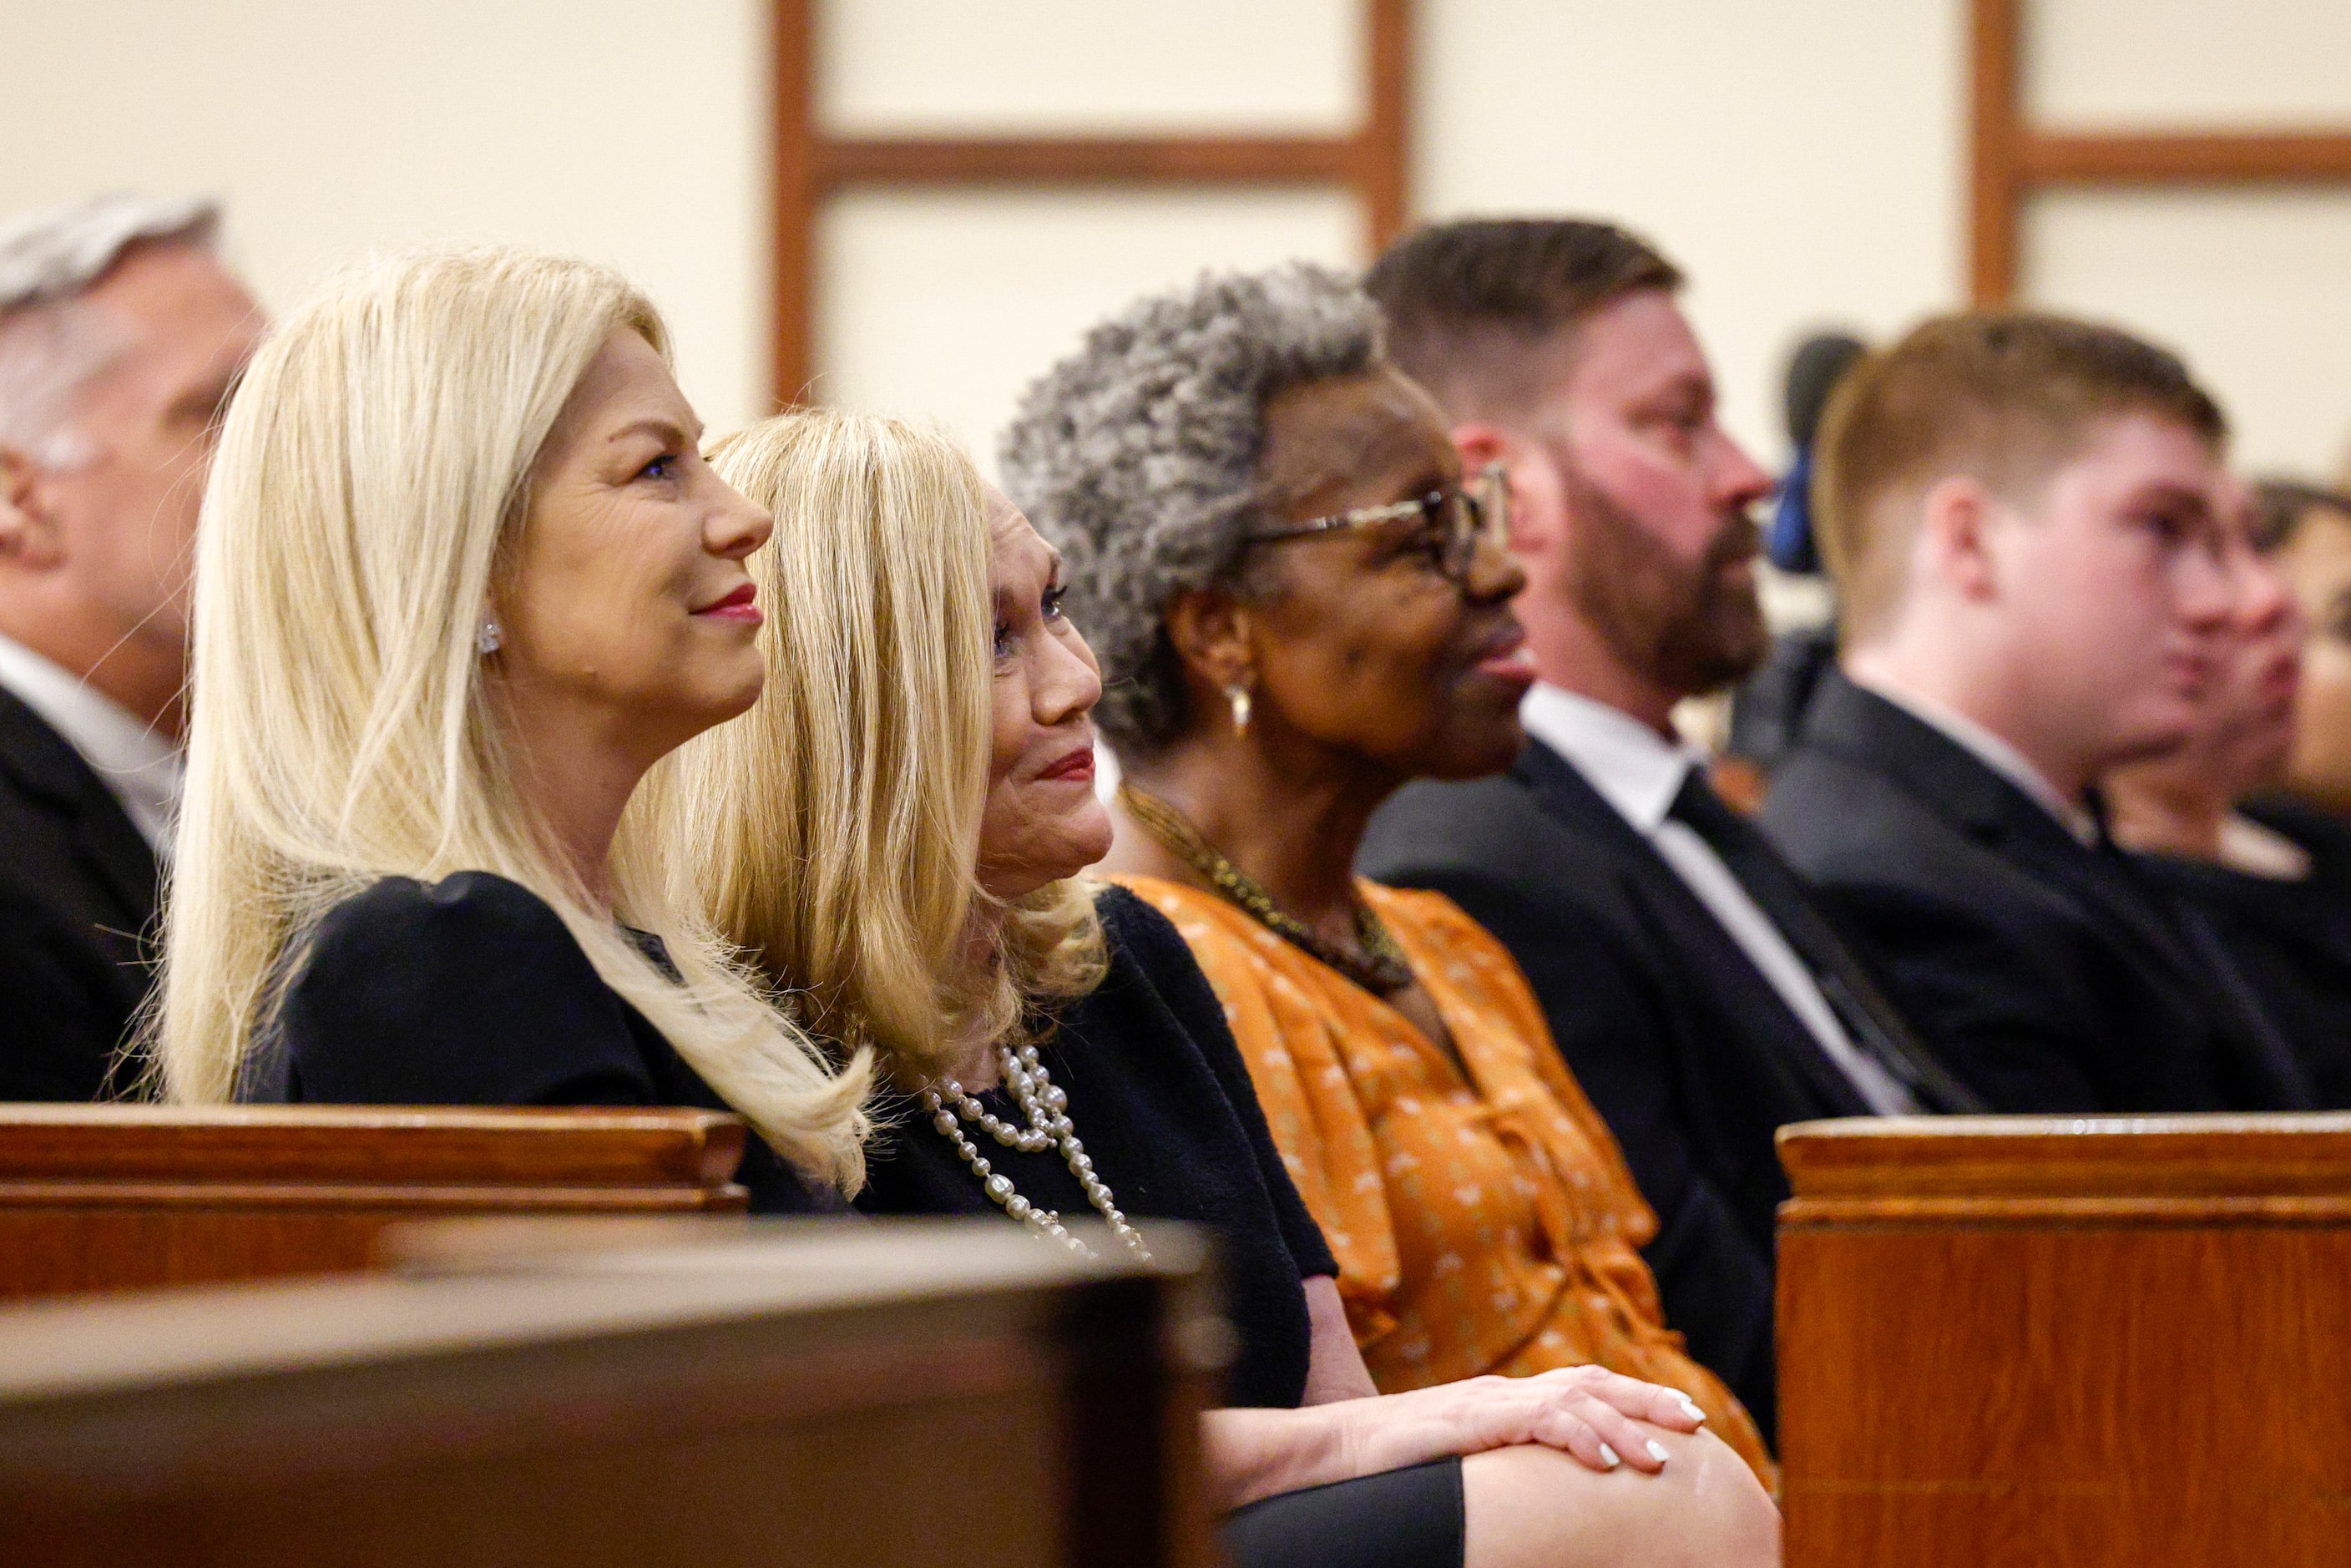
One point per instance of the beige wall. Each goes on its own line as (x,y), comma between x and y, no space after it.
(1802,160)
(610,128)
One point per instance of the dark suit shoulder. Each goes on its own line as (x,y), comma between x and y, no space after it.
(1845,827)
(1429,824)
(77,900)
(1492,841)
(2009,977)
(470,990)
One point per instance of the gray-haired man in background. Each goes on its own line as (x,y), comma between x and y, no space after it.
(121,337)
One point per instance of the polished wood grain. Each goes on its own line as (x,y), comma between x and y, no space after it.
(2071,1343)
(809,165)
(96,1197)
(810,1394)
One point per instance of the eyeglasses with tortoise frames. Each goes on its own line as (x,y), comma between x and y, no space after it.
(1463,513)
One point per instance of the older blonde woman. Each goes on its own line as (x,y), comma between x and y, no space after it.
(895,829)
(463,576)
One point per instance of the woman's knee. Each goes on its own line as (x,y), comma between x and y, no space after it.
(1532,1505)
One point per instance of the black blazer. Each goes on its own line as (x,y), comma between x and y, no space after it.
(2050,975)
(78,885)
(472,991)
(1684,1049)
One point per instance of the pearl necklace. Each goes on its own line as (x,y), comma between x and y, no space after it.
(1044,1110)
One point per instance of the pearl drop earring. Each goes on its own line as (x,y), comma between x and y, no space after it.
(1239,697)
(489,638)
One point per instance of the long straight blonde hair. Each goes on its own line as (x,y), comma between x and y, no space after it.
(370,484)
(838,821)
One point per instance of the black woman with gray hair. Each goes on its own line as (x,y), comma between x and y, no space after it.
(1302,603)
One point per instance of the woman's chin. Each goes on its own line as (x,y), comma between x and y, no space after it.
(1050,853)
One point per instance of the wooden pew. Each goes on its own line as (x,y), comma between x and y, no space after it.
(96,1197)
(2067,1342)
(817,1393)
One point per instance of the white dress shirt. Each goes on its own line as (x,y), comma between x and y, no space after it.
(1638,771)
(1995,754)
(138,764)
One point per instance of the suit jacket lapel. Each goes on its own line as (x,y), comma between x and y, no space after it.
(44,764)
(1566,796)
(1948,778)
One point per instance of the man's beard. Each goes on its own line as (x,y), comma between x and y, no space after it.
(1689,626)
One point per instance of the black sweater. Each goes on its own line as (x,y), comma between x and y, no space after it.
(1164,1106)
(472,992)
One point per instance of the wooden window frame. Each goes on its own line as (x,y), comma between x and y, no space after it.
(810,167)
(2010,158)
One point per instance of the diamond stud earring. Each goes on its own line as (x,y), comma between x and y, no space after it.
(489,638)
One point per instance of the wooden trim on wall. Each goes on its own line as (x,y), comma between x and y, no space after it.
(2160,158)
(1087,160)
(1382,151)
(810,166)
(1994,112)
(792,198)
(2008,158)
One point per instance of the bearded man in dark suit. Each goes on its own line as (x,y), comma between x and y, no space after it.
(1700,997)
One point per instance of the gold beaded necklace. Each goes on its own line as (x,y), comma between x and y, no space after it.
(1380,967)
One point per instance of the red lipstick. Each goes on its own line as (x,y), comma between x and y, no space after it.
(739,605)
(1077,765)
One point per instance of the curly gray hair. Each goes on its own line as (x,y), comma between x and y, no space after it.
(1137,457)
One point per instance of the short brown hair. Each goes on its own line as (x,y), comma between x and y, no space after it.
(1468,304)
(2004,396)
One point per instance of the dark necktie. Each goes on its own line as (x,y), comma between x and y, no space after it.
(1870,1021)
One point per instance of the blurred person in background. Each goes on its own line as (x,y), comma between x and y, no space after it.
(1302,603)
(120,336)
(2028,520)
(2312,527)
(1767,709)
(2267,884)
(1694,989)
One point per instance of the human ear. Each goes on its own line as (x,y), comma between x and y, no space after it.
(1210,629)
(27,538)
(1958,520)
(1481,443)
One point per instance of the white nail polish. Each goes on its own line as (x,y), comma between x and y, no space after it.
(1691,1409)
(1658,1452)
(1608,1459)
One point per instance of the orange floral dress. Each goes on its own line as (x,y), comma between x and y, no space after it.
(1485,1225)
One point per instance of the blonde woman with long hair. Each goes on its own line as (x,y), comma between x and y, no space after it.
(462,577)
(894,835)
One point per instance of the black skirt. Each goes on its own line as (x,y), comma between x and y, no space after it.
(1411,1518)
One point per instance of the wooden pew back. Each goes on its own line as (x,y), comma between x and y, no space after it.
(812,1393)
(99,1198)
(2069,1343)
